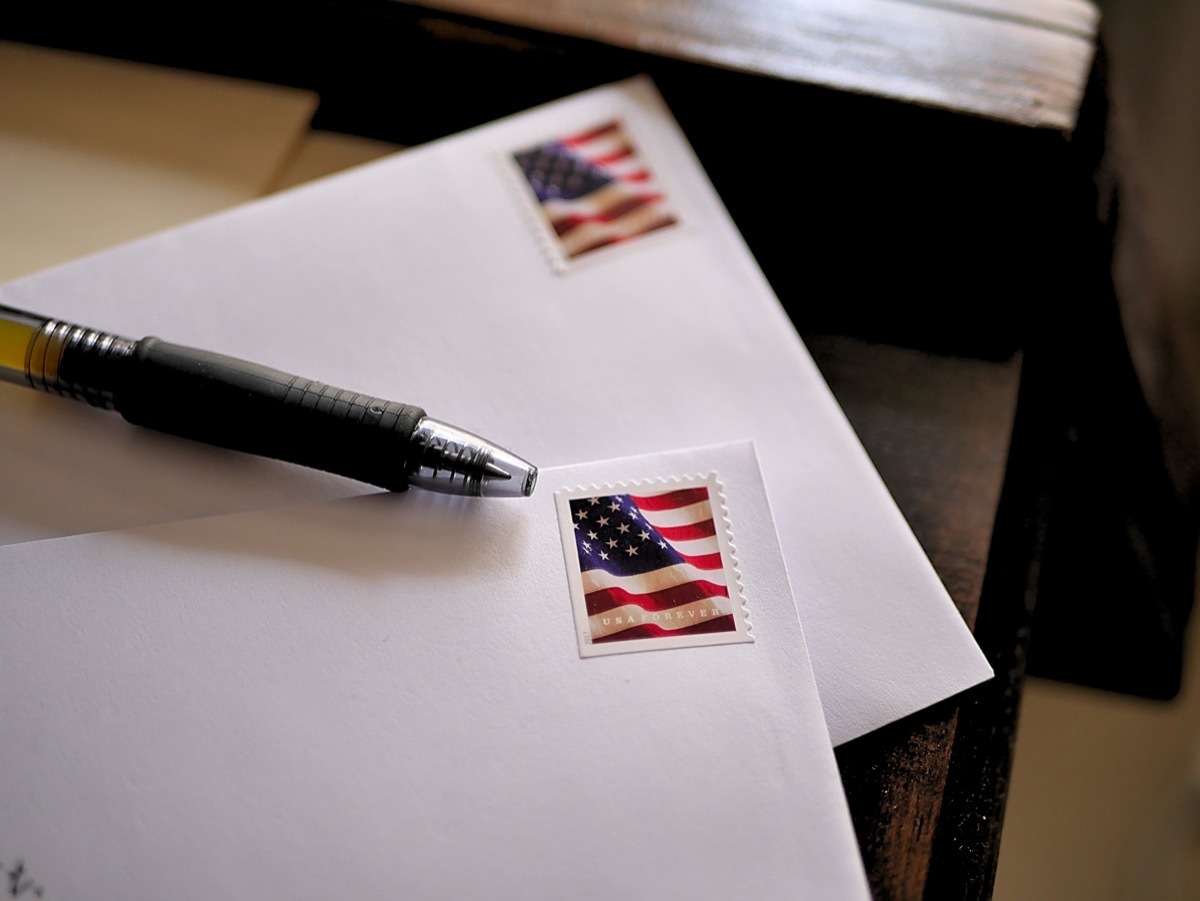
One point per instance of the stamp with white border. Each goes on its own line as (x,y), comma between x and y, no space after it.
(651,565)
(591,190)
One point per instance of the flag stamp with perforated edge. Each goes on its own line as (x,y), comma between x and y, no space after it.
(651,565)
(593,190)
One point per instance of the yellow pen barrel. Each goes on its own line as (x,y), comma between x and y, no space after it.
(18,331)
(60,358)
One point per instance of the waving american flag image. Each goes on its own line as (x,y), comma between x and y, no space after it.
(651,566)
(594,189)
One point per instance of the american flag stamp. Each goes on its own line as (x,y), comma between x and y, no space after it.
(592,190)
(651,565)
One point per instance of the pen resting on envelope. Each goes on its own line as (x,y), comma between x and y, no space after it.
(243,406)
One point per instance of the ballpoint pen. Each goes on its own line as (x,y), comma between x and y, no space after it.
(243,406)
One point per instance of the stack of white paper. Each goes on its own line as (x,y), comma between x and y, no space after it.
(97,151)
(638,325)
(425,278)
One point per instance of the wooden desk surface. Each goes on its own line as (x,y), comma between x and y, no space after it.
(938,429)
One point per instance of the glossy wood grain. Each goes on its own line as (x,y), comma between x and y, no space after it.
(1022,61)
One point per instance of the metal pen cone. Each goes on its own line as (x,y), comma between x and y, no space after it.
(507,475)
(452,460)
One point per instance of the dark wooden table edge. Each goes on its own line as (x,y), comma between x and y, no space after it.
(966,843)
(911,783)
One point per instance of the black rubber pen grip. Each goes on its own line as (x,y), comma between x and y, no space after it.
(243,406)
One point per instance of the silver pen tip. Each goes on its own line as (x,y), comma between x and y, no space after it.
(454,461)
(507,475)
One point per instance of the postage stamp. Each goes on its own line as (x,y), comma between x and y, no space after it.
(651,565)
(592,190)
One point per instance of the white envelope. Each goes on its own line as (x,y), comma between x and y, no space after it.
(382,697)
(428,277)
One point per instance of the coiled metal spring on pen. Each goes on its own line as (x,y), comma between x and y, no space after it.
(67,359)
